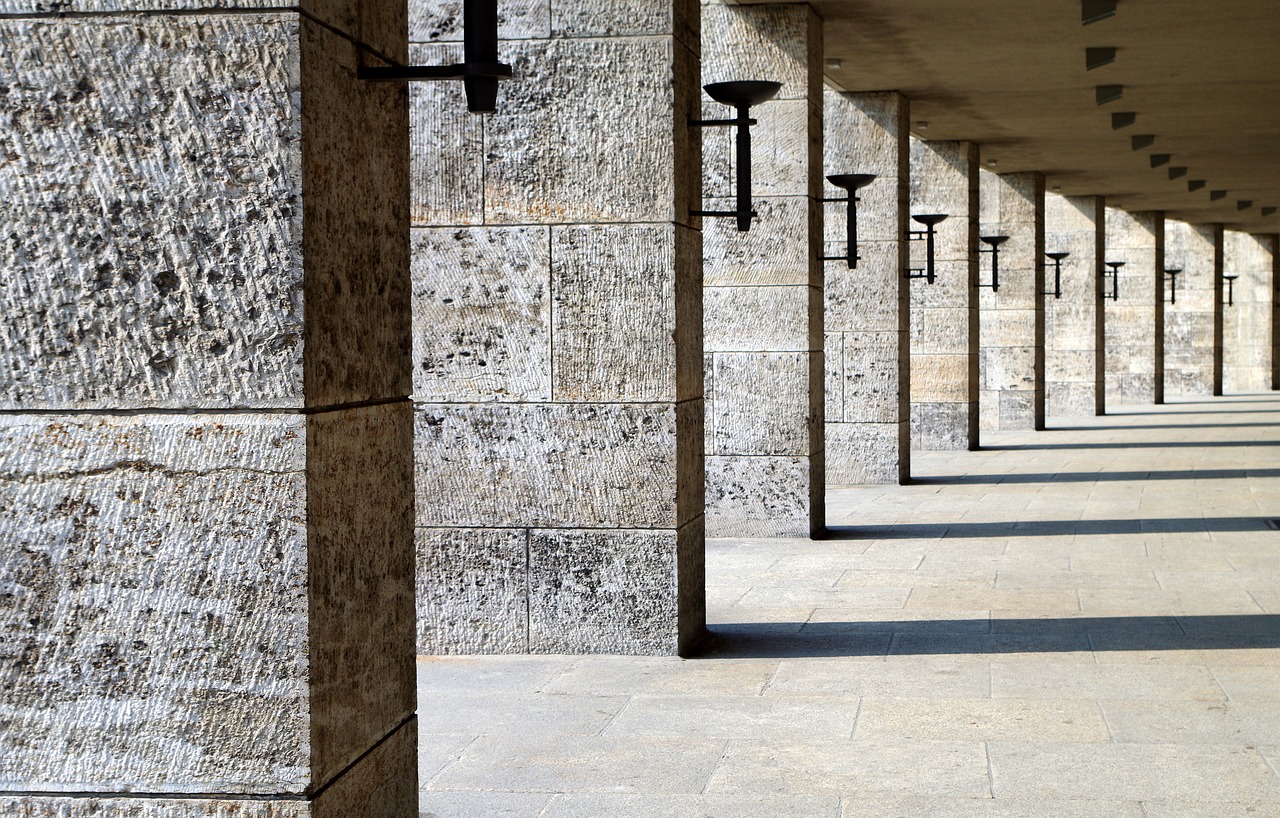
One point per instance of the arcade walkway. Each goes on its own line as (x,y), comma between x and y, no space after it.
(1079,622)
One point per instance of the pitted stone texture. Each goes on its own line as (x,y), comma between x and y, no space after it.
(619,333)
(865,298)
(758,319)
(1134,351)
(167,270)
(762,404)
(1247,326)
(763,496)
(863,453)
(1189,323)
(473,592)
(551,157)
(182,664)
(608,591)
(554,465)
(446,145)
(871,377)
(784,150)
(764,42)
(126,807)
(441,21)
(774,251)
(482,314)
(939,426)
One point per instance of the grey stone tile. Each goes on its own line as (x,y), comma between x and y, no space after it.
(999,807)
(433,804)
(493,675)
(774,718)
(518,714)
(1086,681)
(609,675)
(1216,723)
(910,676)
(702,806)
(980,719)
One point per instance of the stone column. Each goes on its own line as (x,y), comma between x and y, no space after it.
(944,315)
(867,318)
(1190,323)
(1135,321)
(1011,333)
(1248,339)
(1075,367)
(763,288)
(558,338)
(206,491)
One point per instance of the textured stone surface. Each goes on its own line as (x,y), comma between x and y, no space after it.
(473,594)
(609,591)
(944,179)
(1189,323)
(1134,337)
(1248,325)
(447,145)
(861,453)
(768,253)
(482,313)
(140,553)
(772,496)
(125,807)
(762,404)
(746,319)
(570,465)
(1012,327)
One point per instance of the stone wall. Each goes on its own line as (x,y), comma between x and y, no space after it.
(867,320)
(1011,334)
(1248,341)
(1075,322)
(206,486)
(1135,321)
(764,383)
(1189,348)
(944,315)
(557,344)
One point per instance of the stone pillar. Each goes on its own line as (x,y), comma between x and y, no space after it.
(1135,321)
(763,288)
(1248,338)
(206,501)
(1011,320)
(1190,323)
(558,339)
(1075,367)
(867,318)
(944,315)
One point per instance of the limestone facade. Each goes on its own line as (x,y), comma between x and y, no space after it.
(1075,327)
(944,315)
(1135,321)
(1192,353)
(868,403)
(1247,325)
(763,288)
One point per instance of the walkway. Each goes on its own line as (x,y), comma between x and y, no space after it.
(1079,622)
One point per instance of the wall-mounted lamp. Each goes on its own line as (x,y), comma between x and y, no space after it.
(1172,273)
(1230,289)
(1056,292)
(851,182)
(993,247)
(930,221)
(479,70)
(741,94)
(1114,272)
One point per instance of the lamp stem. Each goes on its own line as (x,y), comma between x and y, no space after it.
(480,45)
(851,231)
(744,169)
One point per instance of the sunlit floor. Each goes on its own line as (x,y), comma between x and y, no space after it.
(1078,622)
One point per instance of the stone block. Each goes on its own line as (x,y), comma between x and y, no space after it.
(833,381)
(1070,326)
(610,591)
(1070,365)
(124,806)
(623,18)
(1007,328)
(866,298)
(481,314)
(432,21)
(939,330)
(880,212)
(870,128)
(942,426)
(865,453)
(762,496)
(182,665)
(551,157)
(779,42)
(105,307)
(781,247)
(446,146)
(1070,400)
(473,591)
(757,319)
(557,465)
(871,377)
(940,378)
(1007,369)
(615,336)
(784,145)
(1018,410)
(761,405)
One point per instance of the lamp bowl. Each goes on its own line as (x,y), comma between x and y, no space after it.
(851,181)
(994,241)
(742,93)
(1057,256)
(930,219)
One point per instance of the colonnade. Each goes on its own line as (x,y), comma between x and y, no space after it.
(252,373)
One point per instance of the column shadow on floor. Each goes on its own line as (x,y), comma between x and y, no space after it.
(1050,528)
(1145,444)
(1094,476)
(779,640)
(1168,426)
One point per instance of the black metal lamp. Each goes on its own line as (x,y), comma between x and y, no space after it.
(1056,292)
(741,95)
(479,71)
(1230,289)
(993,247)
(1172,273)
(1114,272)
(851,182)
(930,221)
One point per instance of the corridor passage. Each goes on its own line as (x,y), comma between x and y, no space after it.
(1078,622)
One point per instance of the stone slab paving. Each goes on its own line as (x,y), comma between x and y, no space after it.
(1079,622)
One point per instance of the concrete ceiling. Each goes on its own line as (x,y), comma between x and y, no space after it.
(1203,78)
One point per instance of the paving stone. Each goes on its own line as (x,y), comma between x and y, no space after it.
(703,806)
(982,719)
